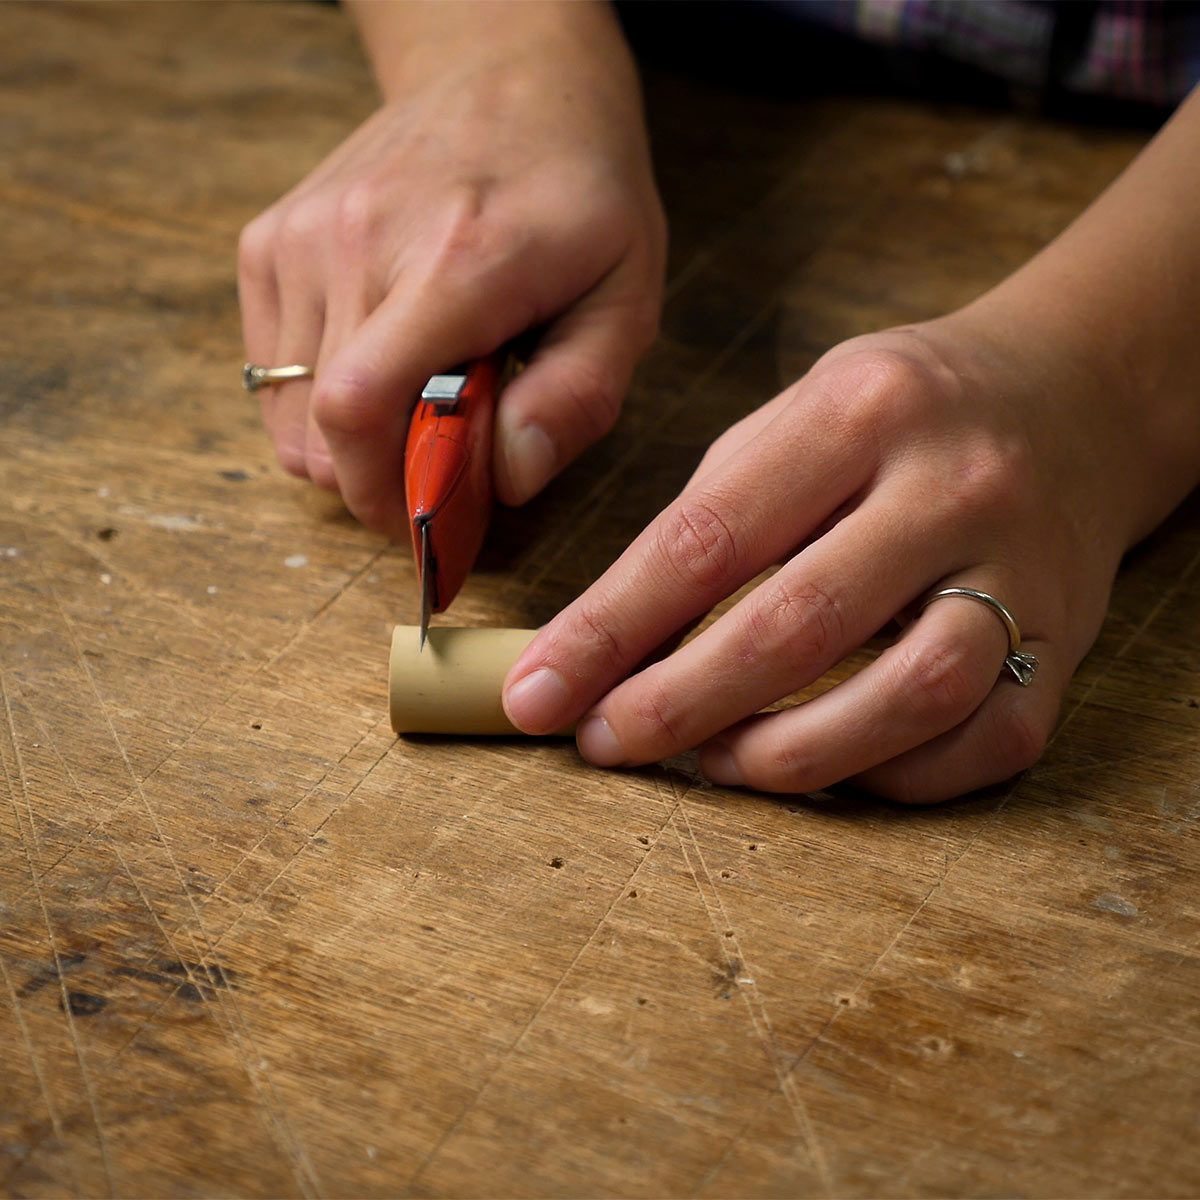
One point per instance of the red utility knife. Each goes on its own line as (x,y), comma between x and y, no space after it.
(448,478)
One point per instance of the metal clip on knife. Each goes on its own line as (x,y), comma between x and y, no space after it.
(448,478)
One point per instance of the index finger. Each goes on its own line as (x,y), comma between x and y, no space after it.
(741,517)
(362,398)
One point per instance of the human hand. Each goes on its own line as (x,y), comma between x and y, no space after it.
(956,453)
(505,187)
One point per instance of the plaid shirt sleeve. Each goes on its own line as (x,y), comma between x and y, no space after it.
(1140,50)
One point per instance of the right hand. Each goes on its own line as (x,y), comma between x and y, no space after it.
(509,190)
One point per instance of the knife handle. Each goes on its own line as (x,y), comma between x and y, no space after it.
(448,478)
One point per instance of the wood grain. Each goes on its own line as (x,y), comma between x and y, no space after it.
(254,945)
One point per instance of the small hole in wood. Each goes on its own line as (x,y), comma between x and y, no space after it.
(84,1004)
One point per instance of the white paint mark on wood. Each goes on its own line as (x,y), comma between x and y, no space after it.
(175,522)
(1111,902)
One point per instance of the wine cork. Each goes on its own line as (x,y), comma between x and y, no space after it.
(453,684)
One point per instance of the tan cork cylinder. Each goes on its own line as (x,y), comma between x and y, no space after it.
(453,685)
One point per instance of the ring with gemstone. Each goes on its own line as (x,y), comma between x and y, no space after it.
(1022,664)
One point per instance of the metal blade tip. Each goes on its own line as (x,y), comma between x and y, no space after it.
(426,585)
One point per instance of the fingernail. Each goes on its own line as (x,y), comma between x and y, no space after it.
(535,703)
(531,460)
(717,764)
(598,744)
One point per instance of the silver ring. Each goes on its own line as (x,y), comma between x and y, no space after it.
(255,376)
(1021,664)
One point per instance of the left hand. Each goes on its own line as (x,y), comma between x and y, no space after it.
(954,453)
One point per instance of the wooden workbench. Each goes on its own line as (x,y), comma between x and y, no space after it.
(252,944)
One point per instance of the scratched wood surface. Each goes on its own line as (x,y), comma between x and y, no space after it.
(251,944)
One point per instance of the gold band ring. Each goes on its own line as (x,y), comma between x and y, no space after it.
(255,376)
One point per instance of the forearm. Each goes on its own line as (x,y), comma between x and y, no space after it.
(1116,299)
(411,42)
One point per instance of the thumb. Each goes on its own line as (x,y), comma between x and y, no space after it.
(568,396)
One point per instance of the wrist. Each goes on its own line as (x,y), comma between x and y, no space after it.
(1121,413)
(412,45)
(1110,306)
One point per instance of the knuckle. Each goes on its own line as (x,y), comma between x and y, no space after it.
(801,623)
(299,226)
(887,372)
(469,236)
(937,683)
(256,245)
(592,398)
(1020,739)
(888,382)
(881,388)
(347,405)
(995,475)
(658,719)
(593,630)
(699,544)
(788,766)
(356,216)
